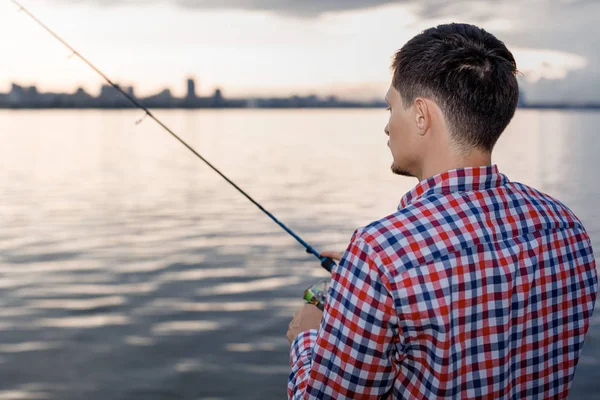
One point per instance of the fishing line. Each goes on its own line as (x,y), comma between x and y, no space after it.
(326,262)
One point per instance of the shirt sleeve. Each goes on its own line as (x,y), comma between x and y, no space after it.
(351,355)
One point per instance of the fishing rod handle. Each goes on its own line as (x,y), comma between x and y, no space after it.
(328,264)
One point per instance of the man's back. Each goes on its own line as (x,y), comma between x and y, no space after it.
(493,283)
(490,286)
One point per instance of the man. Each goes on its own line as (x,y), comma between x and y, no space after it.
(476,287)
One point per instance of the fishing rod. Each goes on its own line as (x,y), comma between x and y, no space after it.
(326,262)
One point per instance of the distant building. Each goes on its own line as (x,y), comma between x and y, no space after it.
(31,92)
(164,99)
(218,98)
(191,89)
(16,95)
(20,96)
(111,97)
(107,92)
(81,99)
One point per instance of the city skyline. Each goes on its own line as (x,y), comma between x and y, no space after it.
(272,48)
(29,97)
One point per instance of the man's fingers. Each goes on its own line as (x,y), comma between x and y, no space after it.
(336,255)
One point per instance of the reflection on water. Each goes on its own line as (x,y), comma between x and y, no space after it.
(200,274)
(263,285)
(273,344)
(139,341)
(27,346)
(165,328)
(92,321)
(22,395)
(168,306)
(130,270)
(79,304)
(86,289)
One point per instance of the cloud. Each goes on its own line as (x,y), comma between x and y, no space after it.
(296,8)
(303,8)
(547,64)
(428,9)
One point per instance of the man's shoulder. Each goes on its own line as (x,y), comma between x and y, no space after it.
(421,218)
(396,236)
(399,225)
(544,204)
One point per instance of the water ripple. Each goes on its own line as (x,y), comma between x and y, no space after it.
(185,327)
(92,321)
(79,304)
(251,286)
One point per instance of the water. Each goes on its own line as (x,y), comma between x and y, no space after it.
(131,270)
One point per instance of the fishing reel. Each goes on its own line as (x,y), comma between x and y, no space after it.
(317,293)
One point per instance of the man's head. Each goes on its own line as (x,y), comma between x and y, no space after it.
(453,93)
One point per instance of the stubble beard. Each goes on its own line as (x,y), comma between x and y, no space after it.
(400,171)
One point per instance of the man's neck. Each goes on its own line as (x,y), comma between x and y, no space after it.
(438,165)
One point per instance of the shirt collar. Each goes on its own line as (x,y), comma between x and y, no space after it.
(456,180)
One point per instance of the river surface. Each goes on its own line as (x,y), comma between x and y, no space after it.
(130,270)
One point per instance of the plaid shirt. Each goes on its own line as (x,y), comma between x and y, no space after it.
(477,287)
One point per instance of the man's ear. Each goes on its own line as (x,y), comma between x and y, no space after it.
(422,117)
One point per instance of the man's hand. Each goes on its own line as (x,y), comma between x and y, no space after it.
(336,255)
(307,317)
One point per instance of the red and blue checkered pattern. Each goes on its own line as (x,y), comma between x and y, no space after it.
(477,287)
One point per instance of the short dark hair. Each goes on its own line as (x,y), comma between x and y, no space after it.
(468,72)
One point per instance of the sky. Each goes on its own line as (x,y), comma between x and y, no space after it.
(284,47)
